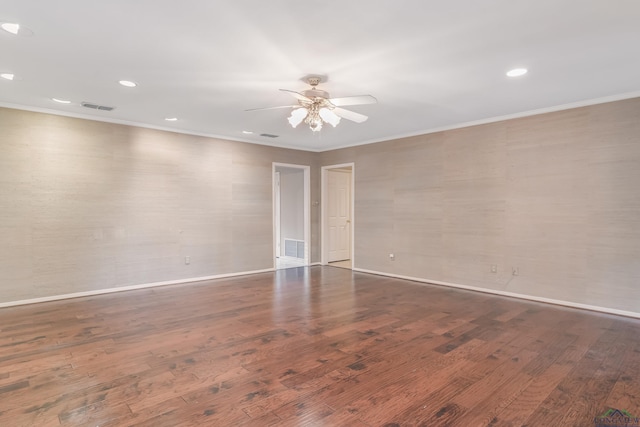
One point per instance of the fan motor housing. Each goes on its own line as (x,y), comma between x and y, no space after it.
(316,93)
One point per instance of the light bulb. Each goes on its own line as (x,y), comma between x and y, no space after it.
(316,124)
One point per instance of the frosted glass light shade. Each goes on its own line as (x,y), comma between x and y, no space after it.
(329,117)
(297,116)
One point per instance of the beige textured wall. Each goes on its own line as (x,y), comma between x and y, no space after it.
(555,195)
(86,205)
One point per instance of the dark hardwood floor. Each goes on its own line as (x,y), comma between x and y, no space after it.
(313,346)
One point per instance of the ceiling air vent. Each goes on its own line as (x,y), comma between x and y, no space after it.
(268,135)
(96,106)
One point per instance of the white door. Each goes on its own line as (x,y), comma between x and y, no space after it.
(339,215)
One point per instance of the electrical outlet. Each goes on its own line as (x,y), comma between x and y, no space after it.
(516,271)
(187,260)
(494,268)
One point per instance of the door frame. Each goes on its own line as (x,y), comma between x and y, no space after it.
(306,210)
(324,217)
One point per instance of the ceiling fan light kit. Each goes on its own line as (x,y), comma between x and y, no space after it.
(314,116)
(316,107)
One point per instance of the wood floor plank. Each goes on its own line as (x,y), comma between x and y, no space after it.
(313,346)
(559,408)
(517,410)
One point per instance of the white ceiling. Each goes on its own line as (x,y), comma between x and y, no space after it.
(431,64)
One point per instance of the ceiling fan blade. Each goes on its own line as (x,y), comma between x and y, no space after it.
(272,108)
(297,95)
(353,100)
(350,115)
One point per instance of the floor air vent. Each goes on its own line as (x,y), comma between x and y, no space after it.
(96,106)
(294,248)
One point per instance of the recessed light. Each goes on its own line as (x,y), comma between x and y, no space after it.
(171,119)
(61,101)
(247,132)
(8,76)
(128,83)
(517,72)
(16,29)
(11,27)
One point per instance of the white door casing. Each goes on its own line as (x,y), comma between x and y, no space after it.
(276,205)
(277,214)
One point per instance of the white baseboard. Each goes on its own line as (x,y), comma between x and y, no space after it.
(507,294)
(291,259)
(362,270)
(128,288)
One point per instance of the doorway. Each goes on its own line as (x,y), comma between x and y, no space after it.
(337,215)
(291,222)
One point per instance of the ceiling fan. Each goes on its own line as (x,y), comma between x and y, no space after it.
(316,107)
